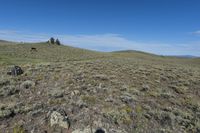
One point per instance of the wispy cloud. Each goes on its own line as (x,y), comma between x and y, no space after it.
(19,36)
(8,32)
(106,42)
(196,32)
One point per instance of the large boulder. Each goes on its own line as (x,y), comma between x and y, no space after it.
(16,70)
(99,130)
(59,119)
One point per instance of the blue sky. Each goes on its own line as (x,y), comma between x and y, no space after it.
(167,27)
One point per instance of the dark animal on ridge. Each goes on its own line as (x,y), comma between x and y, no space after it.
(33,49)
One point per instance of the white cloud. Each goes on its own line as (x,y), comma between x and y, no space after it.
(106,42)
(114,41)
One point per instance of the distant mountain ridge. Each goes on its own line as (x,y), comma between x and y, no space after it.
(184,56)
(3,40)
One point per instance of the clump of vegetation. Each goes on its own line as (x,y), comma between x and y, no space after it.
(118,116)
(8,90)
(27,84)
(51,40)
(90,100)
(57,42)
(18,129)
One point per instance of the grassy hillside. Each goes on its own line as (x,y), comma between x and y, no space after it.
(120,92)
(21,53)
(16,53)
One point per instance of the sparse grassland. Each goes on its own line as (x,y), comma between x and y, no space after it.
(122,92)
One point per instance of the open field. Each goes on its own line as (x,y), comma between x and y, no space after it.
(121,92)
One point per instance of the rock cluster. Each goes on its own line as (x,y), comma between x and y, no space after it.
(16,70)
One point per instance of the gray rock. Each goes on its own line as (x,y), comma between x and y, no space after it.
(81,104)
(100,130)
(109,99)
(59,119)
(75,92)
(35,113)
(126,98)
(101,77)
(56,93)
(145,88)
(124,88)
(37,109)
(16,70)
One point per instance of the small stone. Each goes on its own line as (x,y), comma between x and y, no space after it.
(124,88)
(126,98)
(75,92)
(109,99)
(56,93)
(148,116)
(101,77)
(35,113)
(145,88)
(81,104)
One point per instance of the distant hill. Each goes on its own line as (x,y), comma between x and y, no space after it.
(4,42)
(45,52)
